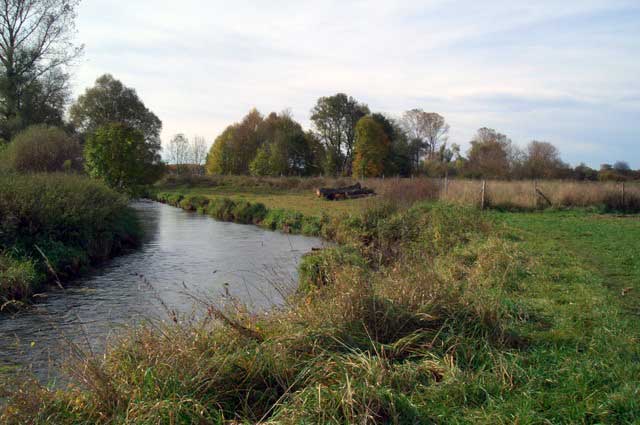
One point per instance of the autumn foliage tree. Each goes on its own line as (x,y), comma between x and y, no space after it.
(489,155)
(371,148)
(542,160)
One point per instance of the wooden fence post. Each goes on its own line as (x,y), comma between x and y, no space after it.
(446,186)
(484,190)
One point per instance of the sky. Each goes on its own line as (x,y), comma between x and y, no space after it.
(565,72)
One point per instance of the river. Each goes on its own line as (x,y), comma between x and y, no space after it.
(185,260)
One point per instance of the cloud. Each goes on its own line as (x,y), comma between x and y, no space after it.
(539,69)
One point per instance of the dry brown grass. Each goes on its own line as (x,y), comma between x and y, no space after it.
(517,195)
(542,194)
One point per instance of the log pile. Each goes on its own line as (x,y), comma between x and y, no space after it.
(349,192)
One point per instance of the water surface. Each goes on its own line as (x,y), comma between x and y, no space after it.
(185,259)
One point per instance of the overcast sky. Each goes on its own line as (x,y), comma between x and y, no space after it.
(567,72)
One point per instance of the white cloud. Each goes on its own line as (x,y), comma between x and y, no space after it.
(512,65)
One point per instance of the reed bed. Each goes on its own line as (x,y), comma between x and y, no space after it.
(531,195)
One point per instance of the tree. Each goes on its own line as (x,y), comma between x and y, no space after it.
(236,147)
(110,101)
(36,45)
(398,161)
(220,158)
(199,152)
(285,148)
(489,155)
(122,157)
(334,119)
(178,152)
(621,167)
(371,148)
(261,164)
(542,160)
(426,131)
(584,172)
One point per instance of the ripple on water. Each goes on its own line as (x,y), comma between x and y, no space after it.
(180,250)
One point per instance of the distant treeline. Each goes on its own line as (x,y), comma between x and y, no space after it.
(347,139)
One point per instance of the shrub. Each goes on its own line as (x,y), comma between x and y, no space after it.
(193,202)
(72,220)
(221,209)
(43,149)
(249,213)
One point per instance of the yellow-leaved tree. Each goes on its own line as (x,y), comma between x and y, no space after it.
(371,148)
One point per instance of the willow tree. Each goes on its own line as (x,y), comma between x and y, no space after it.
(36,46)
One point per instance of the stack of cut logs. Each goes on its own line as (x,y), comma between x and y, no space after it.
(350,192)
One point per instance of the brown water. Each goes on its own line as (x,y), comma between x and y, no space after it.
(185,258)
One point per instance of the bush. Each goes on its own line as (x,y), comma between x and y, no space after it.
(249,213)
(194,202)
(221,209)
(72,220)
(43,149)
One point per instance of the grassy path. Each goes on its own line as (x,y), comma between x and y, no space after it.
(583,365)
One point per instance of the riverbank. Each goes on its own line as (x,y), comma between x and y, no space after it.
(55,226)
(518,195)
(436,313)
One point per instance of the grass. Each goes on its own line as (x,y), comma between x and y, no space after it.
(432,314)
(53,226)
(298,193)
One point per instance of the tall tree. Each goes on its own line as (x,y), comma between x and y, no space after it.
(110,101)
(335,118)
(246,141)
(371,148)
(220,157)
(179,152)
(489,155)
(285,148)
(398,161)
(199,152)
(542,160)
(427,132)
(122,157)
(36,45)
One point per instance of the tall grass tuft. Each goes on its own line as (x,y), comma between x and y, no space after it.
(54,225)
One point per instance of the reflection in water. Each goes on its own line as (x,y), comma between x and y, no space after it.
(184,256)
